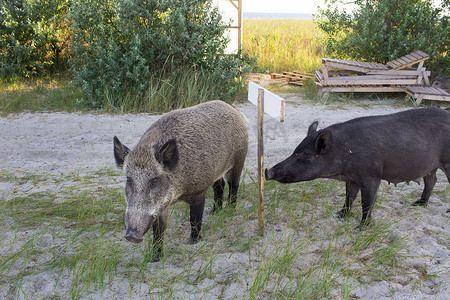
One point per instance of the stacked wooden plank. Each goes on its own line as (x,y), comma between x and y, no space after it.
(425,92)
(294,77)
(396,76)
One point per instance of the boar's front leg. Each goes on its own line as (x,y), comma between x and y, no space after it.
(197,206)
(429,182)
(351,191)
(368,195)
(159,228)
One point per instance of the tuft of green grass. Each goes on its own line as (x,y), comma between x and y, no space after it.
(180,89)
(170,91)
(305,253)
(41,94)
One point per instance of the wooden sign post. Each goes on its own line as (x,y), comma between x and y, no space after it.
(273,105)
(260,105)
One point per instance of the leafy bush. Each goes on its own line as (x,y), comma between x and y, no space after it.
(123,48)
(34,37)
(383,30)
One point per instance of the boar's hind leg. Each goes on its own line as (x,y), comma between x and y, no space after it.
(233,182)
(368,196)
(218,188)
(196,214)
(429,182)
(351,191)
(446,170)
(159,228)
(232,195)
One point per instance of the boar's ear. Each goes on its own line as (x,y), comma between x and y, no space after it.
(120,152)
(167,154)
(313,127)
(323,142)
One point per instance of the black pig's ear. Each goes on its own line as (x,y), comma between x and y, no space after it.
(120,152)
(167,154)
(323,142)
(313,127)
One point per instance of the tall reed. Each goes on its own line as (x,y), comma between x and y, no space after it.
(283,45)
(179,89)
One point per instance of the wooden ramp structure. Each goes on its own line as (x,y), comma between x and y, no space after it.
(396,76)
(294,77)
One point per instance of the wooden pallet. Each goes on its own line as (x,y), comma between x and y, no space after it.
(396,76)
(425,92)
(294,77)
(330,78)
(358,66)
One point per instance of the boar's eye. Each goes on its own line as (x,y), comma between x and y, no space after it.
(129,185)
(129,181)
(152,182)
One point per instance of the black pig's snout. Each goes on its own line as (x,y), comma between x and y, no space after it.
(133,236)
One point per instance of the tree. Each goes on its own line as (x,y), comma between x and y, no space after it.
(383,30)
(121,45)
(34,37)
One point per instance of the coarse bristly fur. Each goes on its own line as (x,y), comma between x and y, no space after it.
(178,158)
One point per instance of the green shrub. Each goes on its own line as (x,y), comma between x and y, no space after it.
(122,48)
(34,37)
(383,30)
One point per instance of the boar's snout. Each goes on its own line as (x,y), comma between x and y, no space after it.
(133,236)
(136,225)
(281,172)
(269,174)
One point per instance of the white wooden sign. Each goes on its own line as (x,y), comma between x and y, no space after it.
(273,104)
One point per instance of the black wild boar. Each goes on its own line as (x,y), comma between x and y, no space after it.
(404,146)
(177,159)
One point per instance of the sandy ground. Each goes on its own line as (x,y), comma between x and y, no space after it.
(62,143)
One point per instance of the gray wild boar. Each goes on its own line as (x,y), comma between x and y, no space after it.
(404,146)
(177,159)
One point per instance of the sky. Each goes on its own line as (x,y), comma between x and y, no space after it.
(280,6)
(289,6)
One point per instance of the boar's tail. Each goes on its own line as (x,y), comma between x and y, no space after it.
(246,120)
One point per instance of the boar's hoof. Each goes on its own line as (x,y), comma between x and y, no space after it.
(155,253)
(155,257)
(231,206)
(420,203)
(342,214)
(194,240)
(216,209)
(364,224)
